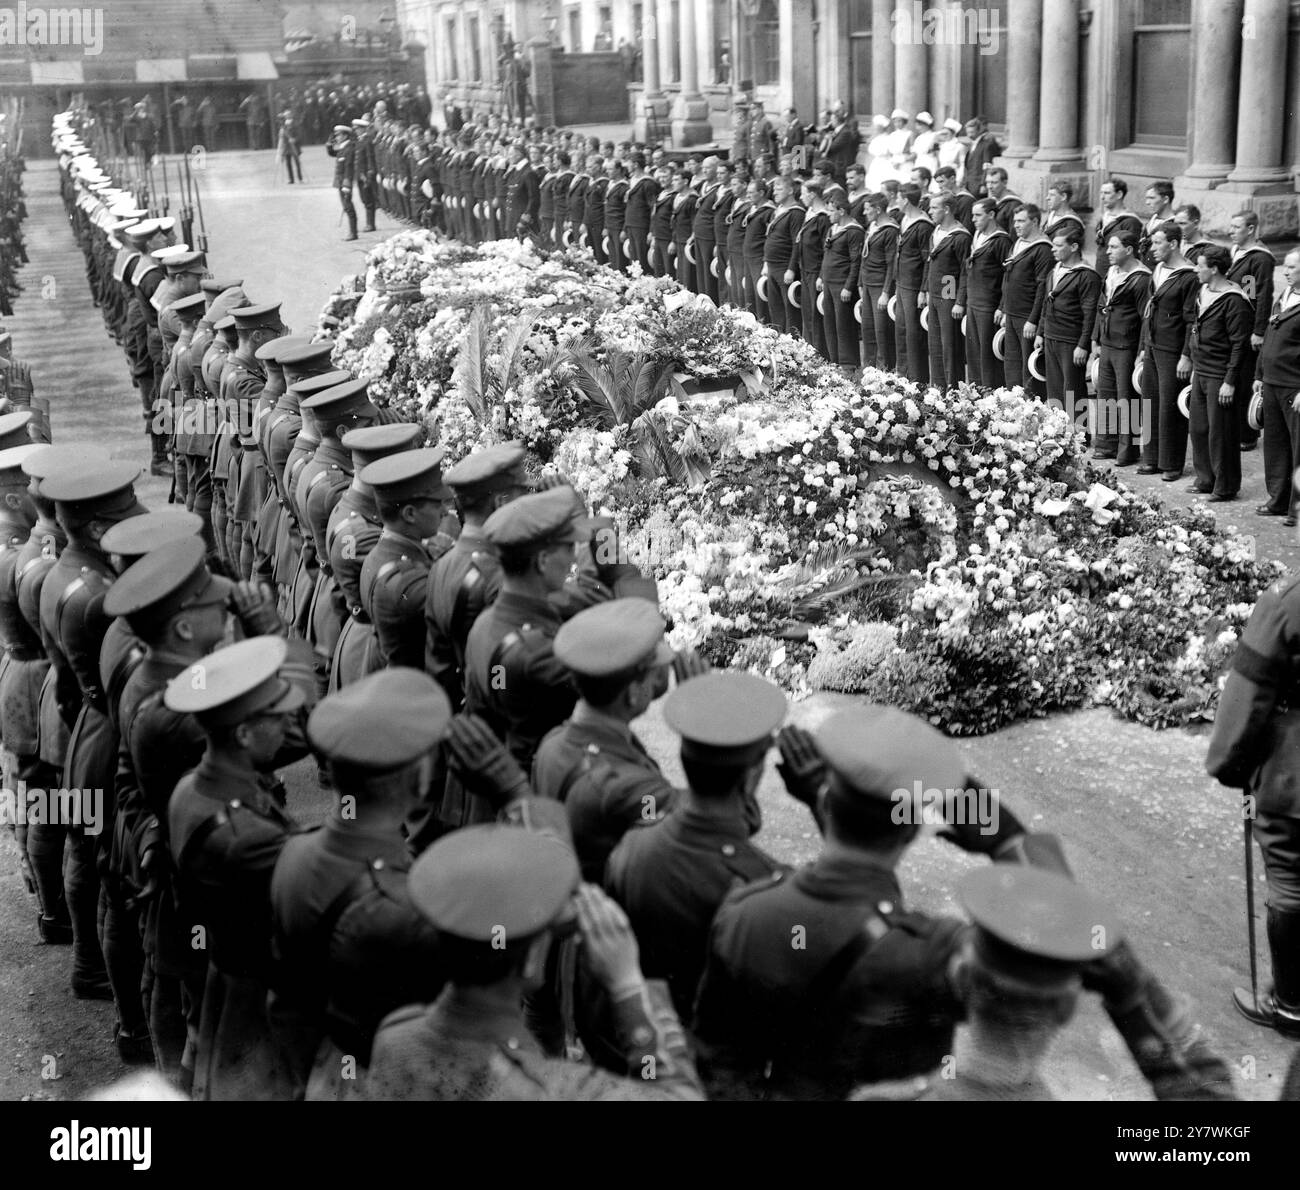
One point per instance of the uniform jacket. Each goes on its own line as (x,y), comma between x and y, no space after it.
(809,245)
(1119,313)
(392,588)
(908,271)
(1278,361)
(1070,305)
(684,204)
(755,221)
(1221,336)
(670,877)
(983,276)
(1256,740)
(841,257)
(1252,269)
(641,195)
(1170,312)
(779,244)
(702,226)
(461,584)
(1027,268)
(891,1013)
(1107,226)
(607,781)
(945,268)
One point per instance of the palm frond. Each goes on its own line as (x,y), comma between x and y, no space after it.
(595,382)
(473,378)
(512,348)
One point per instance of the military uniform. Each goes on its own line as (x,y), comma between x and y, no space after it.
(471,1047)
(672,875)
(1252,749)
(350,946)
(343,148)
(227,826)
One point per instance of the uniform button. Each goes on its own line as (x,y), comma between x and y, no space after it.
(379,865)
(512,1043)
(235,804)
(728,849)
(886,906)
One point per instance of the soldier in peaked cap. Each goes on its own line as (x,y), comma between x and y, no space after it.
(35,559)
(241,385)
(354,527)
(146,278)
(467,577)
(87,502)
(227,824)
(497,895)
(410,495)
(342,146)
(15,428)
(321,484)
(350,946)
(186,414)
(21,669)
(671,875)
(594,763)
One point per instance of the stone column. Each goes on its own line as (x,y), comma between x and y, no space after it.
(911,70)
(653,98)
(1216,28)
(690,122)
(882,58)
(1058,112)
(1024,58)
(1262,94)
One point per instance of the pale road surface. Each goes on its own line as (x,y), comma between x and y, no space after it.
(1142,824)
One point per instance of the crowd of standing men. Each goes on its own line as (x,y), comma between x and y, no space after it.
(510,899)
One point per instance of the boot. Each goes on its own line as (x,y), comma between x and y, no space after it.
(160,464)
(134,1051)
(352,226)
(1278,1008)
(53,932)
(370,219)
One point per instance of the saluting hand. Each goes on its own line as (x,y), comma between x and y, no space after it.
(802,766)
(254,606)
(608,941)
(482,762)
(687,664)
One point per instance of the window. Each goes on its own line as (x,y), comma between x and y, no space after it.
(575,29)
(475,48)
(760,36)
(1161,73)
(449,44)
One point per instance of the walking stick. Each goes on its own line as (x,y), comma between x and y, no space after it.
(1250,896)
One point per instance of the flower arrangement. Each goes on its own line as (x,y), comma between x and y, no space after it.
(948,552)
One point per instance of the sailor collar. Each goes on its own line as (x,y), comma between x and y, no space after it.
(1208,297)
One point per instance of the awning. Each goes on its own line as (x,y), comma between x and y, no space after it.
(67,73)
(160,70)
(256,67)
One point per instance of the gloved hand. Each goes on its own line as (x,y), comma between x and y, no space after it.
(608,942)
(687,664)
(802,768)
(971,836)
(254,606)
(1117,976)
(482,763)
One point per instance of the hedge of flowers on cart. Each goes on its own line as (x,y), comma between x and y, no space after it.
(950,553)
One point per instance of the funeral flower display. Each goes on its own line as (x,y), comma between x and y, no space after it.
(948,552)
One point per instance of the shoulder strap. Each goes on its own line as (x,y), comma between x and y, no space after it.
(825,986)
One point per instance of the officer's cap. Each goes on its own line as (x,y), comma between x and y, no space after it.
(163,255)
(213,286)
(190,307)
(726,716)
(368,444)
(185,262)
(13,428)
(485,883)
(618,636)
(140,535)
(170,578)
(342,127)
(224,324)
(93,489)
(309,386)
(166,223)
(336,404)
(876,750)
(272,351)
(1035,927)
(407,475)
(261,317)
(144,229)
(12,459)
(235,683)
(383,721)
(306,359)
(361,122)
(537,520)
(122,224)
(490,469)
(42,463)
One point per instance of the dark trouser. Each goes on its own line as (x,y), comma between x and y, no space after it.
(81,888)
(1161,385)
(777,303)
(739,283)
(1216,448)
(1278,837)
(617,259)
(1281,432)
(910,340)
(1067,382)
(197,470)
(814,332)
(840,329)
(685,270)
(1116,420)
(292,163)
(1245,435)
(757,305)
(220,523)
(882,329)
(1015,363)
(985,367)
(349,211)
(595,234)
(705,281)
(640,240)
(546,232)
(45,848)
(947,347)
(663,261)
(124,959)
